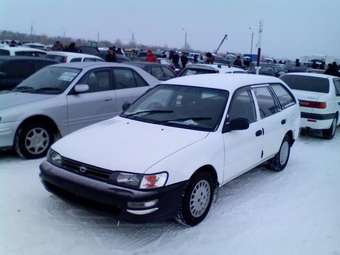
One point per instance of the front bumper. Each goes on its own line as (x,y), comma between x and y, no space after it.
(7,134)
(168,198)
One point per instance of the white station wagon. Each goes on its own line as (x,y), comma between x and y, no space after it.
(319,97)
(168,152)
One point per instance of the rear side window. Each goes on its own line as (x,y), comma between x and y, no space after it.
(126,78)
(242,106)
(90,59)
(75,60)
(284,96)
(337,87)
(56,58)
(307,83)
(4,52)
(157,72)
(265,101)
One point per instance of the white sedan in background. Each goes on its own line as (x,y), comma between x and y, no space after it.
(319,97)
(69,57)
(168,152)
(193,69)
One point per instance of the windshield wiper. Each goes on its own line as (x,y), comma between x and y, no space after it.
(148,111)
(23,88)
(186,118)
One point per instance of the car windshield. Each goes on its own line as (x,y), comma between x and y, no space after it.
(190,107)
(307,83)
(49,80)
(194,71)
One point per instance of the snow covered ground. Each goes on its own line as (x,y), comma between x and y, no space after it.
(296,211)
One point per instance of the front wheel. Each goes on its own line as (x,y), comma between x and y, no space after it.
(197,200)
(33,141)
(330,132)
(280,161)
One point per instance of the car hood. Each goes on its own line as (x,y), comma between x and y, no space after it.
(12,99)
(126,145)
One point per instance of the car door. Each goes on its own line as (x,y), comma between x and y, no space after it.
(95,105)
(243,148)
(129,85)
(337,94)
(270,120)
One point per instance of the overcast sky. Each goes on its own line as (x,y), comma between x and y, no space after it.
(291,28)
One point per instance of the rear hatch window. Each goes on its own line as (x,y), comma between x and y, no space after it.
(307,83)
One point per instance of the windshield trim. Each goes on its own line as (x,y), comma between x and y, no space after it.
(177,125)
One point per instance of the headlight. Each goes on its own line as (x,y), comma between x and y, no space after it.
(141,181)
(54,158)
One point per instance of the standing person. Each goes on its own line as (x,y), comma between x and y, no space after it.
(184,59)
(175,59)
(335,69)
(119,51)
(195,59)
(72,47)
(150,57)
(58,46)
(297,62)
(209,58)
(238,62)
(111,55)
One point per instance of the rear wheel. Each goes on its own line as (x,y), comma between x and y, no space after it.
(197,200)
(330,132)
(33,140)
(280,161)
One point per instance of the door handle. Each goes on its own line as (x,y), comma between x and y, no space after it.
(259,132)
(108,99)
(283,121)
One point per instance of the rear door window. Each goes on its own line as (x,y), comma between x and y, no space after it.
(337,87)
(126,78)
(284,96)
(307,83)
(98,80)
(75,60)
(266,102)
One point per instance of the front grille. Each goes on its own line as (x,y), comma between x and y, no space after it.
(83,169)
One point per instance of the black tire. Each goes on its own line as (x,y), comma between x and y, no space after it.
(330,132)
(279,162)
(22,144)
(185,215)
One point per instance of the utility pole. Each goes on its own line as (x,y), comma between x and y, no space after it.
(251,41)
(185,39)
(98,35)
(259,42)
(31,33)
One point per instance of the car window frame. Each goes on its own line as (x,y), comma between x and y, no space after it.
(276,102)
(79,81)
(337,91)
(134,73)
(249,92)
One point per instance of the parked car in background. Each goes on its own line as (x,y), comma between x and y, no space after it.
(319,97)
(62,98)
(21,51)
(119,58)
(14,70)
(269,69)
(193,69)
(69,57)
(188,137)
(38,46)
(161,72)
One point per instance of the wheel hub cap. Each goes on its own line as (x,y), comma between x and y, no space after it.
(284,153)
(199,199)
(37,140)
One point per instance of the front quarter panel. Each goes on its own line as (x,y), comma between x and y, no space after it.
(184,163)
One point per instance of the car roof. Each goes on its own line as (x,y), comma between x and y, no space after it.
(215,67)
(319,75)
(26,58)
(229,82)
(85,65)
(71,54)
(20,48)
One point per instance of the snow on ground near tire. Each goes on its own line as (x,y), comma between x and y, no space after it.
(296,211)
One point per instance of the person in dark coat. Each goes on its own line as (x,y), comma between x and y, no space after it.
(209,58)
(111,55)
(72,47)
(184,59)
(297,62)
(238,61)
(175,59)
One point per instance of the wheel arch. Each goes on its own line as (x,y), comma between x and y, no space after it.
(208,169)
(291,137)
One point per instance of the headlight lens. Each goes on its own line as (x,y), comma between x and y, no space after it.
(141,181)
(54,157)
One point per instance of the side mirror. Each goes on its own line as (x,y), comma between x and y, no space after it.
(126,106)
(81,88)
(236,124)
